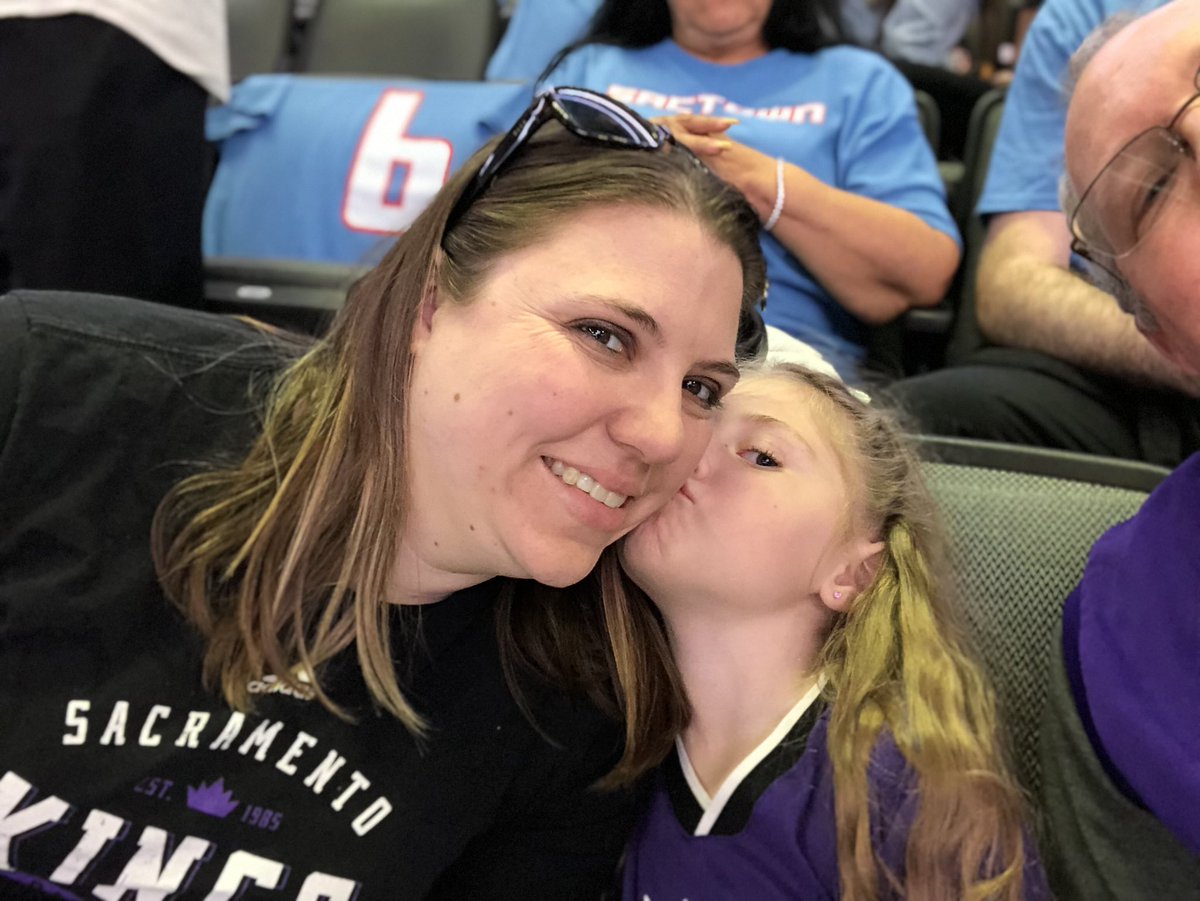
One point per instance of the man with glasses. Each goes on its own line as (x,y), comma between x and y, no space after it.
(1121,735)
(1061,366)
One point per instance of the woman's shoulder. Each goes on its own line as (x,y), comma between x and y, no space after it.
(123,389)
(56,318)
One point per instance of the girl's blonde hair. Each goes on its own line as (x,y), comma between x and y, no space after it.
(900,659)
(281,559)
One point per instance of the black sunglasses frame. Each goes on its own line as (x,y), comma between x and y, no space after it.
(634,133)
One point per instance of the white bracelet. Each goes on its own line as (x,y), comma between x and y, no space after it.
(777,211)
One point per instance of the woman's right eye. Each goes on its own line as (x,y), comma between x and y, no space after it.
(609,337)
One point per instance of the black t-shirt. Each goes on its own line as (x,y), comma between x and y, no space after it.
(118,771)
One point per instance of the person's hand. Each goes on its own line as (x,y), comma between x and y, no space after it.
(704,135)
(747,169)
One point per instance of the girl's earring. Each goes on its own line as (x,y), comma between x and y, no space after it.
(837,595)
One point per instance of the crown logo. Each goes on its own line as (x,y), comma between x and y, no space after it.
(214,800)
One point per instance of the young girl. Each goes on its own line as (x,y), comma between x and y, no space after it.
(842,741)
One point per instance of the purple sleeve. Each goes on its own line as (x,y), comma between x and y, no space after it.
(1138,647)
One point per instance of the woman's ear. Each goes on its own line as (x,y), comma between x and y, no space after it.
(424,324)
(854,572)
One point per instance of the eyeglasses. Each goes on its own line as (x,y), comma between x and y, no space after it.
(1127,199)
(584,113)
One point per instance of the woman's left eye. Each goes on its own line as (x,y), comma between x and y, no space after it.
(759,458)
(602,334)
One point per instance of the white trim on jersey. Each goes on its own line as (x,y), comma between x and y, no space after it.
(714,806)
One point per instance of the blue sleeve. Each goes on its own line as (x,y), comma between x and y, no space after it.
(883,153)
(925,31)
(1028,154)
(537,30)
(860,22)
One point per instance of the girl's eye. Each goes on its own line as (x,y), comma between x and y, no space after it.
(759,458)
(707,393)
(606,336)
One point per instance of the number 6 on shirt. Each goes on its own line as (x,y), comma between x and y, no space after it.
(393,175)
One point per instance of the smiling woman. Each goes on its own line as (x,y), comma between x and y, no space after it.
(530,373)
(606,372)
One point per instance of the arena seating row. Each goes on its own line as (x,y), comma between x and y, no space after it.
(450,41)
(282,134)
(439,39)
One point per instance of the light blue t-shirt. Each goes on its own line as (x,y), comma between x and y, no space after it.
(843,114)
(537,30)
(1027,159)
(332,169)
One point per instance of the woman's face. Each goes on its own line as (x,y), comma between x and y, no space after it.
(571,397)
(761,522)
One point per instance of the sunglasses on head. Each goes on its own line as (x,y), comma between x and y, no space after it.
(602,120)
(586,114)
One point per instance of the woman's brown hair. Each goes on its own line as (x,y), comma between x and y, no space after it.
(281,560)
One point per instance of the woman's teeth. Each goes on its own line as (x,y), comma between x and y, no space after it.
(587,484)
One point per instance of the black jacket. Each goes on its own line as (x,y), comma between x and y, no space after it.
(117,768)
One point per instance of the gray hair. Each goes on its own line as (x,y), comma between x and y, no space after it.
(1108,281)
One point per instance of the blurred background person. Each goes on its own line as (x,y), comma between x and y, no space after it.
(103,162)
(823,139)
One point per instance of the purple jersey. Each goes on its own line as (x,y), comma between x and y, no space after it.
(775,835)
(1131,643)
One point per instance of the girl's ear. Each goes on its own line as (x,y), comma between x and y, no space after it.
(854,572)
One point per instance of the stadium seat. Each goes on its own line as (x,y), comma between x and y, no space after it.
(435,39)
(258,36)
(925,339)
(981,136)
(930,116)
(293,294)
(1022,522)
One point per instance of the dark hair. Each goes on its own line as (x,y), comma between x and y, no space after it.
(801,26)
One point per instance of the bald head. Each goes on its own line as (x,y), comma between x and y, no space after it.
(1140,80)
(1136,80)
